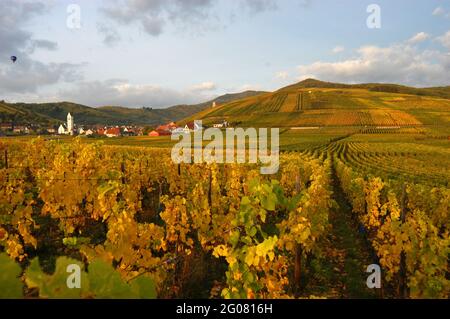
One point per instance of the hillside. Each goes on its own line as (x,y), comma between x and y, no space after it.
(173,113)
(316,103)
(443,92)
(54,113)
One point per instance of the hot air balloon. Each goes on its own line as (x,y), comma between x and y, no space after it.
(14,59)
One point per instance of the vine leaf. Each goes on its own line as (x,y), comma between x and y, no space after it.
(10,283)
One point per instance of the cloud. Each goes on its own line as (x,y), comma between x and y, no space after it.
(153,16)
(445,40)
(258,6)
(43,44)
(12,37)
(205,86)
(282,75)
(438,11)
(121,92)
(397,63)
(419,37)
(27,75)
(109,34)
(338,49)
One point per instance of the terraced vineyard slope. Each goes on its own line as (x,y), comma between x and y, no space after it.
(315,103)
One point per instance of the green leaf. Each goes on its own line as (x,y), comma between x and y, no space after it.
(56,285)
(106,283)
(10,284)
(248,277)
(144,287)
(234,238)
(75,241)
(252,231)
(253,185)
(269,202)
(245,201)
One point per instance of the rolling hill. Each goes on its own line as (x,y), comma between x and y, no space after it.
(316,103)
(54,113)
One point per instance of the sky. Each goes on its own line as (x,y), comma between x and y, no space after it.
(158,53)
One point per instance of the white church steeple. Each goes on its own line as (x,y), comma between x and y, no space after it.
(70,124)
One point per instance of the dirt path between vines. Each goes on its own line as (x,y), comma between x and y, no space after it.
(350,251)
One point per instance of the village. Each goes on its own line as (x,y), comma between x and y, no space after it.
(72,129)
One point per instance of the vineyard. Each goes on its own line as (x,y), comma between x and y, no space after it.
(140,226)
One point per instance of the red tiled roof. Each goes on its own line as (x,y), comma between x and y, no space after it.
(113,131)
(163,132)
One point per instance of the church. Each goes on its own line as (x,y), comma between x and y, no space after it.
(68,128)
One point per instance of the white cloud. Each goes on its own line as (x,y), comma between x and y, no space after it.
(338,49)
(419,37)
(445,40)
(123,93)
(397,63)
(205,86)
(438,11)
(282,75)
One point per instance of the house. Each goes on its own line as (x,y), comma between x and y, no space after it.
(168,127)
(81,131)
(101,131)
(139,131)
(89,132)
(6,126)
(21,129)
(153,134)
(192,127)
(128,131)
(164,133)
(113,132)
(164,130)
(61,130)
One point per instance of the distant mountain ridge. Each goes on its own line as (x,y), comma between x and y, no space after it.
(54,113)
(303,103)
